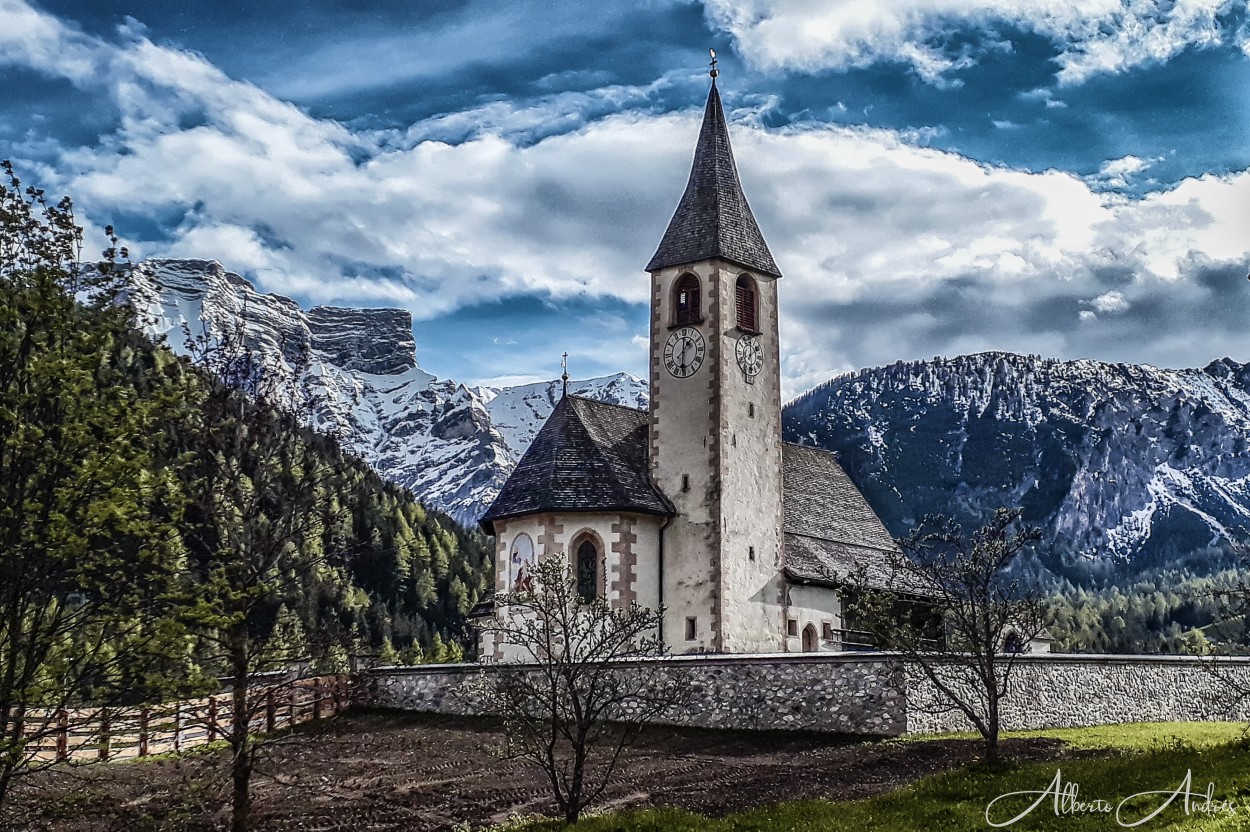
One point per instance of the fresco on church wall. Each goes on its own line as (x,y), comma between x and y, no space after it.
(521,564)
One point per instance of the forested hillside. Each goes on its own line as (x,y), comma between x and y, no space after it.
(149,506)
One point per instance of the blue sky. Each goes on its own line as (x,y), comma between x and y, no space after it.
(1066,178)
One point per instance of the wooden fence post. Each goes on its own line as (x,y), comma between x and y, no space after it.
(104,734)
(62,734)
(316,697)
(178,727)
(291,692)
(212,718)
(271,712)
(337,693)
(144,717)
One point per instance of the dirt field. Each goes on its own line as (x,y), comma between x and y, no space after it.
(382,772)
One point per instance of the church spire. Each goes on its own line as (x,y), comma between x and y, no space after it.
(713,218)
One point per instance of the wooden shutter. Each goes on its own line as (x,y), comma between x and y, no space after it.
(746,307)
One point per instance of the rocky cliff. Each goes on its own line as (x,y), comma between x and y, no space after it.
(452,445)
(1123,466)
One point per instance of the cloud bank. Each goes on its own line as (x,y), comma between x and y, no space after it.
(890,250)
(932,36)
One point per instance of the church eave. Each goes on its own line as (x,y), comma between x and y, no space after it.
(724,258)
(487,524)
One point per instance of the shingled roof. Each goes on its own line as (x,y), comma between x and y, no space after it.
(821,501)
(591,456)
(713,218)
(588,456)
(829,530)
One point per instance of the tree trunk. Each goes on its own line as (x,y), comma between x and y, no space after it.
(6,775)
(574,809)
(240,737)
(991,725)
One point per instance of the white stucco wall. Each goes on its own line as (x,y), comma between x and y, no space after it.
(683,438)
(724,435)
(750,474)
(814,606)
(628,549)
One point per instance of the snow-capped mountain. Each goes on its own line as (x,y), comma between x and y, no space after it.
(1121,465)
(452,445)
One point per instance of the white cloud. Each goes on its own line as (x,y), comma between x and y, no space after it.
(890,250)
(1118,174)
(1094,36)
(1111,302)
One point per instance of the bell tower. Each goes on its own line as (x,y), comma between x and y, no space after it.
(715,414)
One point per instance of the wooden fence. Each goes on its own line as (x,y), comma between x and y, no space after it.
(123,733)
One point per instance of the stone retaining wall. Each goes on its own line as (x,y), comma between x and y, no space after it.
(880,693)
(1054,690)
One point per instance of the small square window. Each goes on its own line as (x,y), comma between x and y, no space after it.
(685,482)
(792,627)
(692,628)
(751,409)
(827,631)
(751,552)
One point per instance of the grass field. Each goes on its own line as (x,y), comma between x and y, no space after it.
(1149,757)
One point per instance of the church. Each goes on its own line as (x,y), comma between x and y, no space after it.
(696,506)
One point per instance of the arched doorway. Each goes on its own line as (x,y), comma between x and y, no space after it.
(810,644)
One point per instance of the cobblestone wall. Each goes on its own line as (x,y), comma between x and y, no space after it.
(874,693)
(1064,691)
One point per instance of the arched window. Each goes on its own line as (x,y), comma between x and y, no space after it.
(587,571)
(748,304)
(1013,643)
(686,300)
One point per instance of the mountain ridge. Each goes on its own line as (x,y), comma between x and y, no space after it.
(451,444)
(1120,463)
(1124,466)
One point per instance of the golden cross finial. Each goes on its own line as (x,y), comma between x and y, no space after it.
(714,71)
(564,371)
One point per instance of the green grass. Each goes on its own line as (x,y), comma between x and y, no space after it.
(1137,736)
(1154,757)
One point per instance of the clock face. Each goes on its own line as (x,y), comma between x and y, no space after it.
(684,351)
(750,355)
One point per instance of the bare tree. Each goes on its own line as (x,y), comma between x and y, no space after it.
(1232,597)
(947,601)
(582,686)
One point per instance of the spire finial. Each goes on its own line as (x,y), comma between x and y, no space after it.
(564,373)
(714,71)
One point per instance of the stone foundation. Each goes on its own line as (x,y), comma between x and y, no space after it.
(880,693)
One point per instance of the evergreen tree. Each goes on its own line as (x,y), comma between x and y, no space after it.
(87,549)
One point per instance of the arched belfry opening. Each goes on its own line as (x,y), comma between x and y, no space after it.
(746,299)
(686,300)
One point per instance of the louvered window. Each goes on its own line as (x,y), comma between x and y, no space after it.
(747,306)
(687,297)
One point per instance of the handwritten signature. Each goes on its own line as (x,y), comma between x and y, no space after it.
(1066,800)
